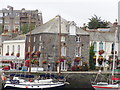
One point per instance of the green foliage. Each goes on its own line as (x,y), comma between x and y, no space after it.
(1,28)
(97,22)
(91,61)
(25,28)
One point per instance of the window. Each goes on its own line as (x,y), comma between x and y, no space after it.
(63,51)
(95,46)
(16,27)
(29,49)
(6,21)
(13,48)
(17,14)
(1,14)
(78,51)
(77,38)
(40,48)
(72,28)
(34,48)
(18,48)
(6,27)
(16,22)
(113,46)
(1,21)
(40,38)
(8,49)
(6,14)
(63,38)
(0,51)
(101,46)
(34,38)
(29,38)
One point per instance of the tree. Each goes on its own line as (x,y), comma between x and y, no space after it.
(97,22)
(91,60)
(1,28)
(25,28)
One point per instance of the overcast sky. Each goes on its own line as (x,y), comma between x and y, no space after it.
(72,10)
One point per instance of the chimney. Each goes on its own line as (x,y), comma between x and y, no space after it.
(10,8)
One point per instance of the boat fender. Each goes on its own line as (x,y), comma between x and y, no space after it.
(31,80)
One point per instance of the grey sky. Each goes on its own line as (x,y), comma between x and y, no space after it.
(72,10)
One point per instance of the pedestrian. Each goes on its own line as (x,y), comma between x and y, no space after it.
(48,66)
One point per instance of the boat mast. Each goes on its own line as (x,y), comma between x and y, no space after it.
(113,69)
(59,43)
(30,43)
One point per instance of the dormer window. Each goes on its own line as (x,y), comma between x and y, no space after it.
(72,29)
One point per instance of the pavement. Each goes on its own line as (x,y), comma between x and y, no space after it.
(88,72)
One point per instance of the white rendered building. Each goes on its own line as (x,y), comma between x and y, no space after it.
(103,40)
(15,47)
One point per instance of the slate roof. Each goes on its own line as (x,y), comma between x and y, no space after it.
(102,36)
(52,27)
(20,37)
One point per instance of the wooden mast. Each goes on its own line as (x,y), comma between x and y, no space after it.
(59,20)
(30,43)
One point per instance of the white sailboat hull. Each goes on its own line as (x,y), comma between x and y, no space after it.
(34,85)
(107,87)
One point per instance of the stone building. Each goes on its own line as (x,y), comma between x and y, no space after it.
(74,42)
(15,20)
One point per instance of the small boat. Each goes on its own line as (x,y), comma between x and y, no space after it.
(28,82)
(105,86)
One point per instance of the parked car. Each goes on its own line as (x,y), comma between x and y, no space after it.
(6,68)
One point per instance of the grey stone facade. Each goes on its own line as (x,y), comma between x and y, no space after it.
(49,43)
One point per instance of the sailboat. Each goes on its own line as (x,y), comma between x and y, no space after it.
(106,85)
(31,82)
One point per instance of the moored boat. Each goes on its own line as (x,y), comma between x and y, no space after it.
(105,86)
(28,82)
